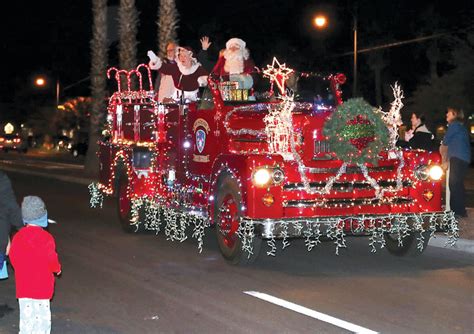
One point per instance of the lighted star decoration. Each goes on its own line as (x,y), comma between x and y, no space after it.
(278,74)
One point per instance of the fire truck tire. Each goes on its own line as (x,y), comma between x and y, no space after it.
(227,215)
(410,244)
(124,205)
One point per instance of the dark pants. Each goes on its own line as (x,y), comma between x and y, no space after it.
(457,173)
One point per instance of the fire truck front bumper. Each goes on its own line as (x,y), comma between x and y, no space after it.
(351,225)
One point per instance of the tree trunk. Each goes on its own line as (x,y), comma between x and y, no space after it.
(167,25)
(128,20)
(98,83)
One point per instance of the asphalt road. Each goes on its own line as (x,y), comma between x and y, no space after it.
(114,282)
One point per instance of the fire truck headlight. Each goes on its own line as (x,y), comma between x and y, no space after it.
(261,177)
(435,172)
(278,176)
(421,172)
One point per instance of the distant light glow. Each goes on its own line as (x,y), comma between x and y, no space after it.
(9,128)
(320,21)
(40,82)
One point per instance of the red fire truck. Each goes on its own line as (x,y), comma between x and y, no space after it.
(233,161)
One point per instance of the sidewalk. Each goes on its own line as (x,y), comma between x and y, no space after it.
(73,171)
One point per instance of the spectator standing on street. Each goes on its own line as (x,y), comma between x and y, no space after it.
(419,137)
(34,258)
(10,215)
(456,143)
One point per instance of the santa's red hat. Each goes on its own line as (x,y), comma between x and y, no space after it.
(235,41)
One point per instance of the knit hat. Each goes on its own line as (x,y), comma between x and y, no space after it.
(34,211)
(235,41)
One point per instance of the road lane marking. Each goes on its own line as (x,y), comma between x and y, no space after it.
(310,313)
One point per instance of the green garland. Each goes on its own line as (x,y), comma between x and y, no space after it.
(356,132)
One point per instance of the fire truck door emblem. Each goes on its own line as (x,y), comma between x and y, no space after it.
(200,140)
(201,129)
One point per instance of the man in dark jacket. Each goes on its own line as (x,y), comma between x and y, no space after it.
(10,214)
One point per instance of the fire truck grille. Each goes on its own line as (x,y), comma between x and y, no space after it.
(345,186)
(351,169)
(338,202)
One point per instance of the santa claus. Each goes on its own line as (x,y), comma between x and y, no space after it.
(235,64)
(187,73)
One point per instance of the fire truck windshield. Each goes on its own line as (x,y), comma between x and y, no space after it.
(312,89)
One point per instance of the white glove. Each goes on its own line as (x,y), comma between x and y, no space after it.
(153,57)
(155,62)
(202,81)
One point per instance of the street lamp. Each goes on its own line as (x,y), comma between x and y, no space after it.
(41,82)
(321,22)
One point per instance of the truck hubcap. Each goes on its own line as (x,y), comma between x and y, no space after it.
(229,221)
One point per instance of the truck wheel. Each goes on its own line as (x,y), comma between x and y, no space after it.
(410,244)
(124,205)
(227,214)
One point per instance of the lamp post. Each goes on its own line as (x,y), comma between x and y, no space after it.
(42,82)
(354,85)
(320,21)
(57,93)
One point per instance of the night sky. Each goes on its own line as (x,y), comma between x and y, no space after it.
(52,37)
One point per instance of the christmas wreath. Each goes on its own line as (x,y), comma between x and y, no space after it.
(356,132)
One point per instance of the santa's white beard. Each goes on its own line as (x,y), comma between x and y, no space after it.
(234,61)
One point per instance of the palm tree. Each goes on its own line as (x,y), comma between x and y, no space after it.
(128,20)
(167,25)
(98,83)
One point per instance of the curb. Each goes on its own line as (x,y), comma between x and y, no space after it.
(462,245)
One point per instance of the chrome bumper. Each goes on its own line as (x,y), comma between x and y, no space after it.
(351,225)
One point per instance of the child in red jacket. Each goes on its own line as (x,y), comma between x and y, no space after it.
(34,258)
